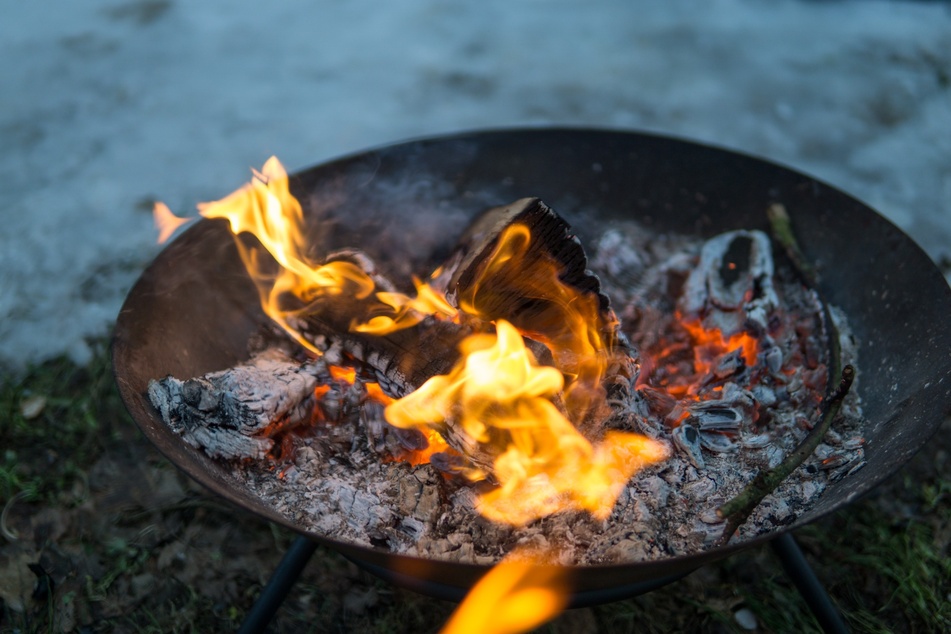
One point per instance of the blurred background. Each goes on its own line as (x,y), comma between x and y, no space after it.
(106,106)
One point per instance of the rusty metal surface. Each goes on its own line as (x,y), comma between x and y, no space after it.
(193,309)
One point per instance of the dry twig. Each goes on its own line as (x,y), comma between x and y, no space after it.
(738,509)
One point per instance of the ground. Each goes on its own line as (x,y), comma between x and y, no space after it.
(102,534)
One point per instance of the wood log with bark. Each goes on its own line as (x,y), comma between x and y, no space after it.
(235,413)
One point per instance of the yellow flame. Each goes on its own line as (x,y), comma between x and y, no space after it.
(519,594)
(501,398)
(166,222)
(565,319)
(407,311)
(266,209)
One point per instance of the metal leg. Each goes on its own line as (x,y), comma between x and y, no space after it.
(280,583)
(809,586)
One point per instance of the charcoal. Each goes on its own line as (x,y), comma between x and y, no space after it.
(732,284)
(234,413)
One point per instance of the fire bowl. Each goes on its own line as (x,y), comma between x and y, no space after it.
(194,308)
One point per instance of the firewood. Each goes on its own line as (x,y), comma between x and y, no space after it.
(405,359)
(233,413)
(541,284)
(503,295)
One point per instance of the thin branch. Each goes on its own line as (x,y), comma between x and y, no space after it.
(738,509)
(782,230)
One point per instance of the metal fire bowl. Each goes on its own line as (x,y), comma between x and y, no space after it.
(194,308)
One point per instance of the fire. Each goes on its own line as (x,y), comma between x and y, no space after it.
(566,320)
(502,399)
(709,344)
(437,444)
(689,355)
(266,209)
(407,311)
(498,398)
(517,595)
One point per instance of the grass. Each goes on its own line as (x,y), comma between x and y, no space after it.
(77,406)
(130,545)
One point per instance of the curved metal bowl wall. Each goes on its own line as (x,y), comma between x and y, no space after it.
(193,309)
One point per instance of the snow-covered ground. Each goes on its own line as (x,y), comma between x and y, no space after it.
(106,105)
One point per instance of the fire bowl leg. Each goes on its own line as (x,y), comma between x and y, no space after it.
(280,583)
(809,586)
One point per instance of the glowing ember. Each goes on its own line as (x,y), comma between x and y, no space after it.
(501,398)
(709,345)
(690,353)
(519,594)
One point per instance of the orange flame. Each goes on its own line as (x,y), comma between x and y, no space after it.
(565,319)
(166,222)
(519,594)
(407,311)
(501,398)
(266,209)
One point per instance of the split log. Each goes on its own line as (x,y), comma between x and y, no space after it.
(235,412)
(523,290)
(552,240)
(539,281)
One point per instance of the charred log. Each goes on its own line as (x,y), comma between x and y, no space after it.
(236,412)
(552,240)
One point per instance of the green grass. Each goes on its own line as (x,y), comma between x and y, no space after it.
(81,409)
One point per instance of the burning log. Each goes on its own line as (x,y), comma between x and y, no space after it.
(501,291)
(234,413)
(517,262)
(521,263)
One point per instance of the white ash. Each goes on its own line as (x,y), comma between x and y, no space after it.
(338,479)
(234,413)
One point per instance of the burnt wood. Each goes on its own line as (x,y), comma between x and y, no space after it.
(193,310)
(235,412)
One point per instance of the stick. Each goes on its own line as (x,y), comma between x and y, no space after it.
(738,509)
(781,226)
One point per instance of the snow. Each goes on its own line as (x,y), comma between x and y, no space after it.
(106,106)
